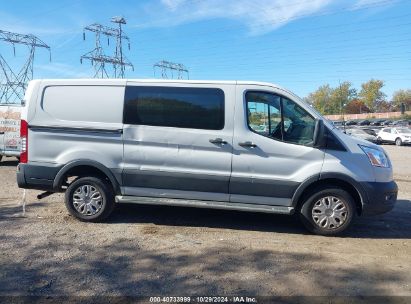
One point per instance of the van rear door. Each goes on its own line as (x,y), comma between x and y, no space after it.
(178,140)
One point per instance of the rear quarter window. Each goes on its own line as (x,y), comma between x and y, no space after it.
(84,103)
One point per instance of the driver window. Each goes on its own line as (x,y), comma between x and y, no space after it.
(279,118)
(301,124)
(264,114)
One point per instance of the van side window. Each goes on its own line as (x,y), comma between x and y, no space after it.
(195,108)
(279,118)
(298,124)
(264,114)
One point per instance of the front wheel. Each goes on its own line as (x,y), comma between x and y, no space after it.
(398,142)
(90,199)
(329,211)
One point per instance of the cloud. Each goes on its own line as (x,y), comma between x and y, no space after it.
(371,3)
(258,16)
(173,4)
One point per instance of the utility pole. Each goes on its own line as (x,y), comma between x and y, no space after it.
(13,84)
(167,66)
(98,57)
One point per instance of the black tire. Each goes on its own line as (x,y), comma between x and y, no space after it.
(105,199)
(398,142)
(306,211)
(1,157)
(379,140)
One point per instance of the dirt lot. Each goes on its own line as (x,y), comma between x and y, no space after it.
(146,250)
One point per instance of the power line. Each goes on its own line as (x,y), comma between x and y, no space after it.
(168,68)
(13,84)
(297,51)
(97,57)
(281,45)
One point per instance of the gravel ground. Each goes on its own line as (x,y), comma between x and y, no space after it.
(145,250)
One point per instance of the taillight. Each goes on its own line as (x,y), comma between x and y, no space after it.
(24,134)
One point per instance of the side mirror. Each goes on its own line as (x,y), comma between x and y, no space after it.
(320,139)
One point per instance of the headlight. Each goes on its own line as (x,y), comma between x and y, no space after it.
(376,157)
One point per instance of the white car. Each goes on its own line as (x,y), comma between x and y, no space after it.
(399,136)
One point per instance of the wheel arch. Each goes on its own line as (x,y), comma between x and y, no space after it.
(331,179)
(85,168)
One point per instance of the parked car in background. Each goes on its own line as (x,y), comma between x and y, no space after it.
(364,122)
(377,122)
(370,131)
(399,136)
(360,133)
(338,123)
(10,130)
(387,122)
(401,123)
(351,123)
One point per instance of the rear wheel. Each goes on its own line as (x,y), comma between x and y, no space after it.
(398,142)
(328,211)
(379,140)
(90,199)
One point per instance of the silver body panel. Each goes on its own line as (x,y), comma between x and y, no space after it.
(60,140)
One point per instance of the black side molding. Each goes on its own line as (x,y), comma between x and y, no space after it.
(74,129)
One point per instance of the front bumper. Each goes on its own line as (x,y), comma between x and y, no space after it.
(380,197)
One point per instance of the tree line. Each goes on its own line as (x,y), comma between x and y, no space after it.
(347,99)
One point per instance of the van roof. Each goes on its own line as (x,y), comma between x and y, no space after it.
(148,80)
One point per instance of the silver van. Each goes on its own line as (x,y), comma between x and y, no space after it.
(235,145)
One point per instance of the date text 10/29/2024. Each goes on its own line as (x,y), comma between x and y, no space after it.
(200,299)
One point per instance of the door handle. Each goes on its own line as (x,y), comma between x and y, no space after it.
(247,144)
(218,141)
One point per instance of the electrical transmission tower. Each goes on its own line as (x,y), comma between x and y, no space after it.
(167,66)
(97,57)
(13,84)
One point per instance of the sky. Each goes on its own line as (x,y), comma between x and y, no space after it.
(297,44)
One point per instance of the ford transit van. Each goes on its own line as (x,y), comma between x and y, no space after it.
(236,145)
